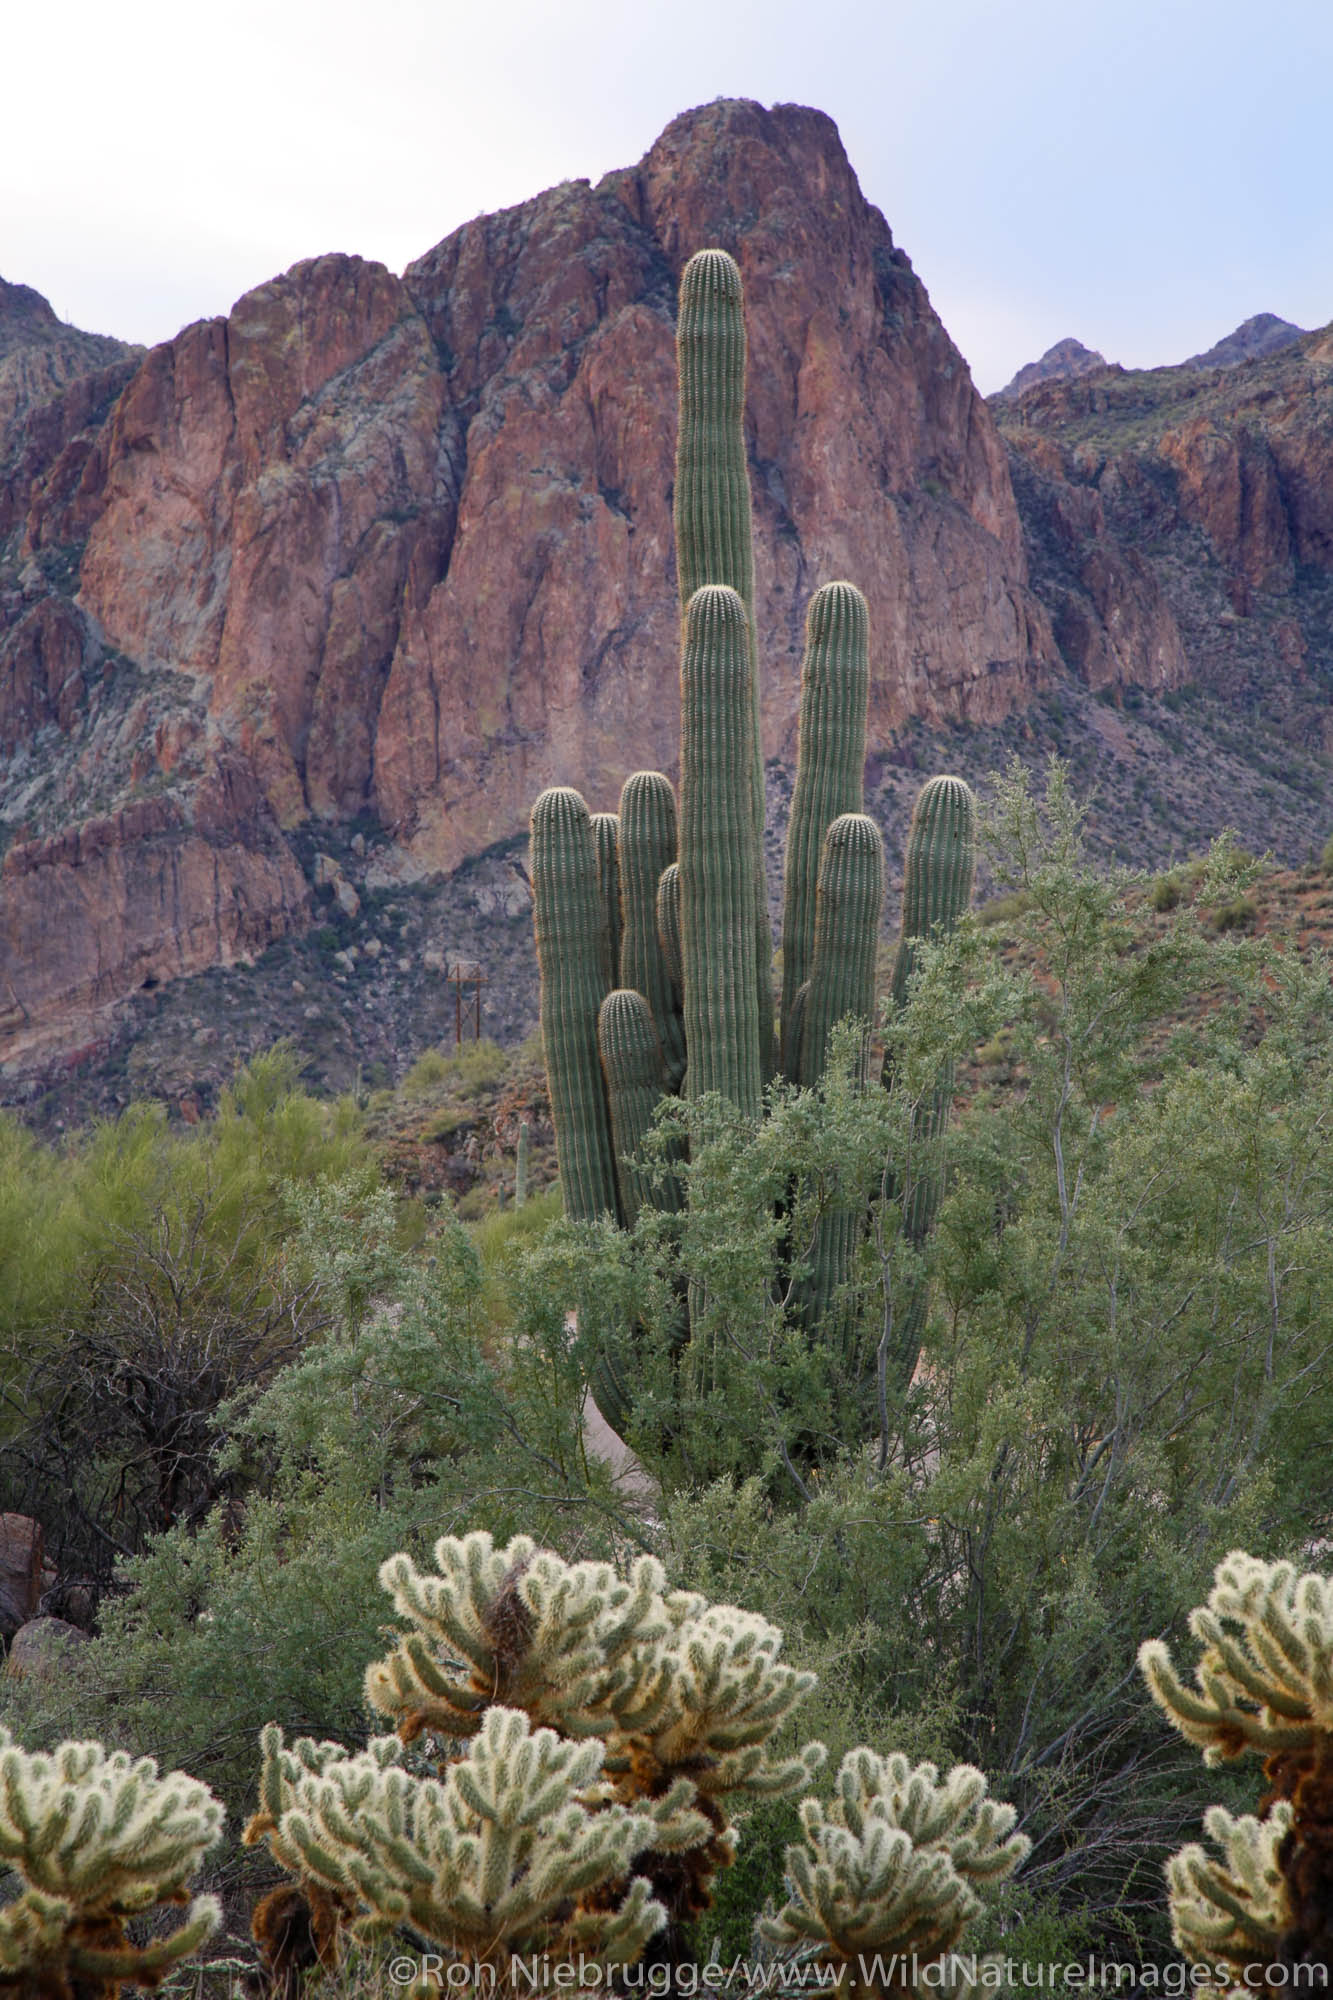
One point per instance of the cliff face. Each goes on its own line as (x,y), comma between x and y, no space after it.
(1184,517)
(402,548)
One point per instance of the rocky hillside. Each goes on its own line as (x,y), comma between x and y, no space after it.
(299,610)
(1262,334)
(399,550)
(1184,517)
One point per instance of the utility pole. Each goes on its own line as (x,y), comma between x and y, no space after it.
(473,976)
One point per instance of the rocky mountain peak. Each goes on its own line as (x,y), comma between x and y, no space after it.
(26,318)
(1064,362)
(1263,333)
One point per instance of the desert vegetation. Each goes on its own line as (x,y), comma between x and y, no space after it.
(963,1343)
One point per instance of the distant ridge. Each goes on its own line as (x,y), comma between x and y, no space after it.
(1062,363)
(1265,333)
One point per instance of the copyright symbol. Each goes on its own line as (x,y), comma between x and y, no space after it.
(401,1970)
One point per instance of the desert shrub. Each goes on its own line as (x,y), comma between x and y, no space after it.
(1240,914)
(470,1066)
(392,1427)
(430,1068)
(1326,858)
(151,1273)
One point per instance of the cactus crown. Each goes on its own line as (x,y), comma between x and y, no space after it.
(1264,1683)
(1233,1911)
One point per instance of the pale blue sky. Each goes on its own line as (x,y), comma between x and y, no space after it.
(1143,176)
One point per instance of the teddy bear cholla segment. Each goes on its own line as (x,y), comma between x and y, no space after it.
(662,1678)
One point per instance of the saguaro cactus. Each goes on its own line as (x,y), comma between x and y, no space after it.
(940,866)
(718,865)
(647,851)
(569,921)
(714,538)
(830,767)
(695,938)
(606,839)
(632,1061)
(939,870)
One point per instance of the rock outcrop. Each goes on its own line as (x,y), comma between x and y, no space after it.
(1184,517)
(1263,333)
(1064,362)
(401,548)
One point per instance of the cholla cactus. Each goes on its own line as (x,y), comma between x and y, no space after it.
(562,1641)
(1233,1912)
(96,1839)
(887,1878)
(1267,1686)
(1264,1684)
(516,1852)
(683,1696)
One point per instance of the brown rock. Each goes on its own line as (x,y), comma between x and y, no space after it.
(21,1562)
(1227,482)
(156,890)
(42,1648)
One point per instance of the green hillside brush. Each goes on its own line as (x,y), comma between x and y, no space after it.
(890,1872)
(1263,1685)
(694,928)
(97,1839)
(515,1853)
(684,1697)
